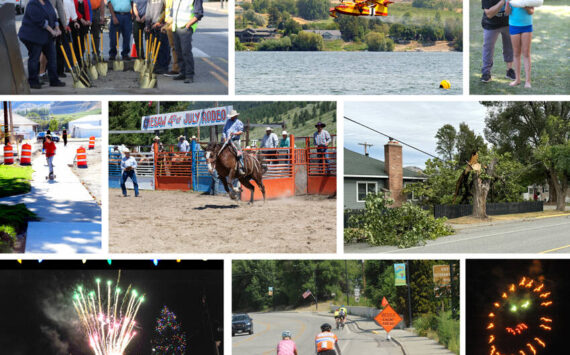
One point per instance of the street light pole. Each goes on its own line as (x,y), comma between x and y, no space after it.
(409,292)
(346,278)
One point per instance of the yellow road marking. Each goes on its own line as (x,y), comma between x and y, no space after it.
(549,250)
(223,60)
(554,215)
(256,334)
(225,73)
(220,78)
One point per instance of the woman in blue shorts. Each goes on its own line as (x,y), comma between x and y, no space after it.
(520,28)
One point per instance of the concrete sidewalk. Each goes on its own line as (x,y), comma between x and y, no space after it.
(411,343)
(70,217)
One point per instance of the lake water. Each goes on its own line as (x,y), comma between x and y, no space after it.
(348,73)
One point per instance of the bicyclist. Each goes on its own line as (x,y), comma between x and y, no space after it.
(286,346)
(337,317)
(326,341)
(343,312)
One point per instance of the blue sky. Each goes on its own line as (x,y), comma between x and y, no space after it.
(415,123)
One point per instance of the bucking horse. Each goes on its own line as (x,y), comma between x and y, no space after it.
(222,157)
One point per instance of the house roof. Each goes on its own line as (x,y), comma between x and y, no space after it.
(19,120)
(356,164)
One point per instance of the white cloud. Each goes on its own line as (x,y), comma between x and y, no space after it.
(415,123)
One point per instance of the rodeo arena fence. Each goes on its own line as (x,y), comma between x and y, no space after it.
(290,171)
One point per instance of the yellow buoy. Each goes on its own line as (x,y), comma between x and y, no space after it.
(444,85)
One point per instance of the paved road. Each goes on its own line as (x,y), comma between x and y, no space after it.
(539,235)
(210,49)
(304,326)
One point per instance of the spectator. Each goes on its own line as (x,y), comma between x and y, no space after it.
(129,166)
(284,142)
(155,14)
(64,136)
(157,145)
(168,20)
(183,145)
(139,25)
(495,22)
(185,17)
(322,139)
(38,32)
(268,143)
(120,23)
(97,22)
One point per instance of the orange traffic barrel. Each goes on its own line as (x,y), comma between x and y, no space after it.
(8,154)
(91,142)
(81,158)
(26,155)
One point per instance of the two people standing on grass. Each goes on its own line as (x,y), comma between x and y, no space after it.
(514,25)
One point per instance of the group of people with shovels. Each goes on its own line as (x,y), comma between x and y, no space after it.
(65,36)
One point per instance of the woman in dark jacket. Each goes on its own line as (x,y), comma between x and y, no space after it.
(38,31)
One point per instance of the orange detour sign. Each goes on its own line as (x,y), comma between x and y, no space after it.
(388,318)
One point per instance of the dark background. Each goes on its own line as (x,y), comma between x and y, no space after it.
(37,314)
(487,279)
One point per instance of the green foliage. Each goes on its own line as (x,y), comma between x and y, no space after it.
(245,5)
(261,5)
(275,44)
(403,32)
(15,180)
(404,226)
(238,45)
(7,238)
(53,125)
(378,42)
(307,41)
(291,27)
(352,28)
(443,325)
(16,216)
(251,17)
(313,9)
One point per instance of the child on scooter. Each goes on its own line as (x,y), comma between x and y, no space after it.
(50,148)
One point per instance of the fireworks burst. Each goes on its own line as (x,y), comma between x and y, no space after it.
(108,317)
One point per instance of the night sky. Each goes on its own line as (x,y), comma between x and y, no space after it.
(487,279)
(37,314)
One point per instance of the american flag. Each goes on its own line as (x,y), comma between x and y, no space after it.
(306,293)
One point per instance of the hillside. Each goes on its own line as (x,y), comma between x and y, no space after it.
(299,117)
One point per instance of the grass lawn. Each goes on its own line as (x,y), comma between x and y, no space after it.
(549,54)
(15,180)
(13,221)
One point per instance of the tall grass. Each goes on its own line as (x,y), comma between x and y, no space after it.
(440,327)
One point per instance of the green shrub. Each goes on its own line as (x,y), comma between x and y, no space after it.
(424,323)
(16,216)
(448,331)
(7,238)
(274,44)
(405,226)
(307,41)
(378,42)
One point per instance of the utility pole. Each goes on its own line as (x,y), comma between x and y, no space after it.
(363,277)
(315,294)
(453,310)
(12,136)
(6,126)
(366,145)
(409,292)
(346,278)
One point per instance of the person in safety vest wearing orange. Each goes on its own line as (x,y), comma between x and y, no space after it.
(326,341)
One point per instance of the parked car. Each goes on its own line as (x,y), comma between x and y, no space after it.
(242,323)
(42,135)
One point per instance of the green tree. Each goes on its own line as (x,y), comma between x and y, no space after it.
(377,42)
(529,130)
(291,27)
(352,28)
(169,338)
(313,9)
(307,41)
(467,143)
(238,45)
(446,138)
(53,125)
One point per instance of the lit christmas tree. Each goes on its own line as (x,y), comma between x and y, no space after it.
(169,338)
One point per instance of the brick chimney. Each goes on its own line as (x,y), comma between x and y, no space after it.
(395,170)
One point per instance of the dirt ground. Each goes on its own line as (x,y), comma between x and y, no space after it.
(415,46)
(506,217)
(91,177)
(189,222)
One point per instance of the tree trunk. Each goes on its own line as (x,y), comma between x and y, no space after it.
(552,195)
(480,190)
(561,188)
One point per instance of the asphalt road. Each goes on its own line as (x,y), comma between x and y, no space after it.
(210,49)
(304,327)
(539,235)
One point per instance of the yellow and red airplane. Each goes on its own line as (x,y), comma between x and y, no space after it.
(361,8)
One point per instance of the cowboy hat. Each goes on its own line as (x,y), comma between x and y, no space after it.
(320,124)
(156,138)
(182,137)
(193,137)
(127,150)
(269,129)
(284,133)
(234,113)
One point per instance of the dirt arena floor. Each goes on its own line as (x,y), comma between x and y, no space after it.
(189,222)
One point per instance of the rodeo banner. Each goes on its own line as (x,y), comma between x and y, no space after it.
(203,117)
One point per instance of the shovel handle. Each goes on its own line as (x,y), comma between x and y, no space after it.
(138,54)
(73,54)
(65,56)
(79,45)
(93,43)
(156,54)
(117,40)
(154,45)
(101,42)
(148,44)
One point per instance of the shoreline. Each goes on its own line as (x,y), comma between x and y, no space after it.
(412,46)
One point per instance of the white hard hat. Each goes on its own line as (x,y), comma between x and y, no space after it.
(284,133)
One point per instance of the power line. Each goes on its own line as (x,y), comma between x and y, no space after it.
(392,138)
